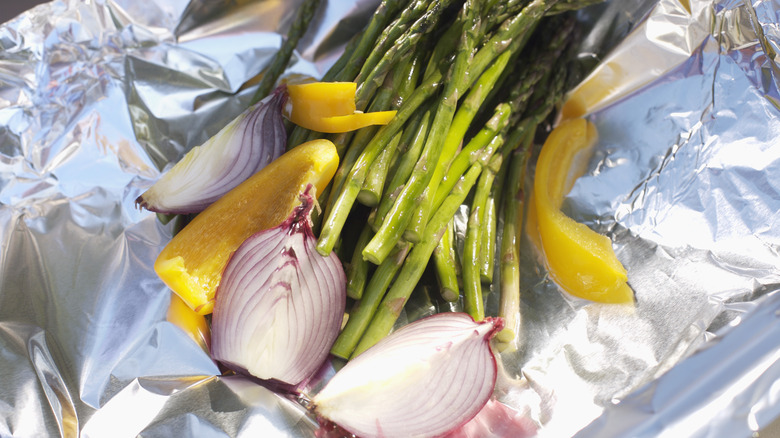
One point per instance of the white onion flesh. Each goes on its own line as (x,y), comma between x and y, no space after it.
(245,145)
(279,305)
(426,379)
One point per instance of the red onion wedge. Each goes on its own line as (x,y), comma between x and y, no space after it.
(247,144)
(424,380)
(280,304)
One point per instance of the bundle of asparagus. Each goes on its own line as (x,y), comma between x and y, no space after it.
(471,81)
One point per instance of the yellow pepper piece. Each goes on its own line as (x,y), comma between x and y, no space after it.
(192,262)
(336,124)
(321,99)
(329,107)
(581,261)
(194,325)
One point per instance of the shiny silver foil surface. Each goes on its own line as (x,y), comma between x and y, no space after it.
(97,96)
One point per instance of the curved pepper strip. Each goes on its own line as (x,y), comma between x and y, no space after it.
(581,261)
(329,107)
(193,324)
(321,99)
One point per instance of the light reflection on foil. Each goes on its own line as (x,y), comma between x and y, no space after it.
(95,97)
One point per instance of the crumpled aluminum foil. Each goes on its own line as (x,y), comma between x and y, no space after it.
(95,97)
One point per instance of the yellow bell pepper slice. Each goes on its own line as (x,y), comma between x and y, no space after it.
(192,262)
(321,99)
(194,325)
(336,124)
(329,107)
(581,261)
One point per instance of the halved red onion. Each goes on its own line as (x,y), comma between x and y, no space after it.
(427,378)
(247,144)
(279,305)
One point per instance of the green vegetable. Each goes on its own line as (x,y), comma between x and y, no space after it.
(471,81)
(472,281)
(282,57)
(446,264)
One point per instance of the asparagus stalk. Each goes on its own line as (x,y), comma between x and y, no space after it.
(347,66)
(341,205)
(361,314)
(460,124)
(509,301)
(384,100)
(374,70)
(379,21)
(392,228)
(519,26)
(357,269)
(405,164)
(498,12)
(404,80)
(487,242)
(282,57)
(571,5)
(446,265)
(472,282)
(539,66)
(390,34)
(371,192)
(411,271)
(467,112)
(462,161)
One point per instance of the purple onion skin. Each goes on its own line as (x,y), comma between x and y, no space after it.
(223,162)
(277,286)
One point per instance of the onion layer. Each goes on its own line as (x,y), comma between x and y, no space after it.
(426,379)
(245,145)
(280,303)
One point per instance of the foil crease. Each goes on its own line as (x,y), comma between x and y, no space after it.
(97,97)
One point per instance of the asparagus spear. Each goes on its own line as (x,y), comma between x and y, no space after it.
(364,309)
(446,265)
(371,192)
(411,271)
(472,282)
(342,203)
(282,57)
(357,269)
(394,90)
(460,124)
(404,80)
(571,5)
(509,301)
(348,64)
(390,34)
(392,228)
(379,21)
(487,243)
(466,156)
(372,73)
(405,164)
(516,27)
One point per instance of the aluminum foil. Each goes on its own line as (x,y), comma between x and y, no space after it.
(96,97)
